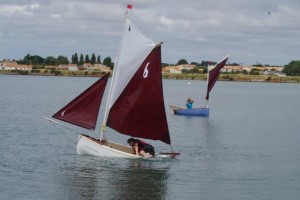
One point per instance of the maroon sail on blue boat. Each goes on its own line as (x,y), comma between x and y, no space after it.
(212,77)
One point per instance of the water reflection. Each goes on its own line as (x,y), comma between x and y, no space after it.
(213,148)
(139,180)
(78,180)
(102,178)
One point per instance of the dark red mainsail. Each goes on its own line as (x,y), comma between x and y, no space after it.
(139,111)
(213,76)
(83,110)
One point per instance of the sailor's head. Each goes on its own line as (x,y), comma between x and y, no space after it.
(130,141)
(189,99)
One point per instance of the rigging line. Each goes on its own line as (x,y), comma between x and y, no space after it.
(55,123)
(63,132)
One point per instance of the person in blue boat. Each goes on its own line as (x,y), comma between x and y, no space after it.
(141,148)
(189,103)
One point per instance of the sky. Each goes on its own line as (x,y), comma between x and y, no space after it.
(249,31)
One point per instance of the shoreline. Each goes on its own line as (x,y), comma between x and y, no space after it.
(222,77)
(236,78)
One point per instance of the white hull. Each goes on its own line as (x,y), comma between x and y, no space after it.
(90,146)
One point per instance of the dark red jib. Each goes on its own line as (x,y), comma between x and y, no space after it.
(83,110)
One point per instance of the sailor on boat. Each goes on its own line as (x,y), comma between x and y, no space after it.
(141,148)
(189,103)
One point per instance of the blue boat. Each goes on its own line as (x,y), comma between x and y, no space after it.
(192,112)
(212,77)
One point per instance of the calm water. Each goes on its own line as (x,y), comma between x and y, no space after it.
(247,149)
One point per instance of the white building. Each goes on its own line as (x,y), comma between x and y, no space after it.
(13,65)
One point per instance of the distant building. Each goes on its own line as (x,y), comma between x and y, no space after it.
(72,67)
(231,68)
(186,66)
(178,68)
(97,67)
(175,70)
(103,68)
(50,67)
(87,66)
(63,67)
(172,70)
(273,73)
(13,65)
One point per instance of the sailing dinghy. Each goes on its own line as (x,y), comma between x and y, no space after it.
(135,104)
(212,76)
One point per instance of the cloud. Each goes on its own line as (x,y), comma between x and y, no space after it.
(55,16)
(9,10)
(195,30)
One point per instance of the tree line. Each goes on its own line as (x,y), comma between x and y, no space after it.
(51,60)
(291,69)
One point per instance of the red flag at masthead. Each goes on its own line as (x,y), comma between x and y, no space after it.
(129,6)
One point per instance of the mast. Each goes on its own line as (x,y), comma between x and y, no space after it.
(103,126)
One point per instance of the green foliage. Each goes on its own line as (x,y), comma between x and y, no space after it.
(81,60)
(245,72)
(38,60)
(21,72)
(75,59)
(107,62)
(254,71)
(234,64)
(35,71)
(207,63)
(50,60)
(98,60)
(195,63)
(87,59)
(185,71)
(293,68)
(93,59)
(182,62)
(163,65)
(62,60)
(195,70)
(95,73)
(31,60)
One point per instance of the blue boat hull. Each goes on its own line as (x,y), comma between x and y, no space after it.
(191,112)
